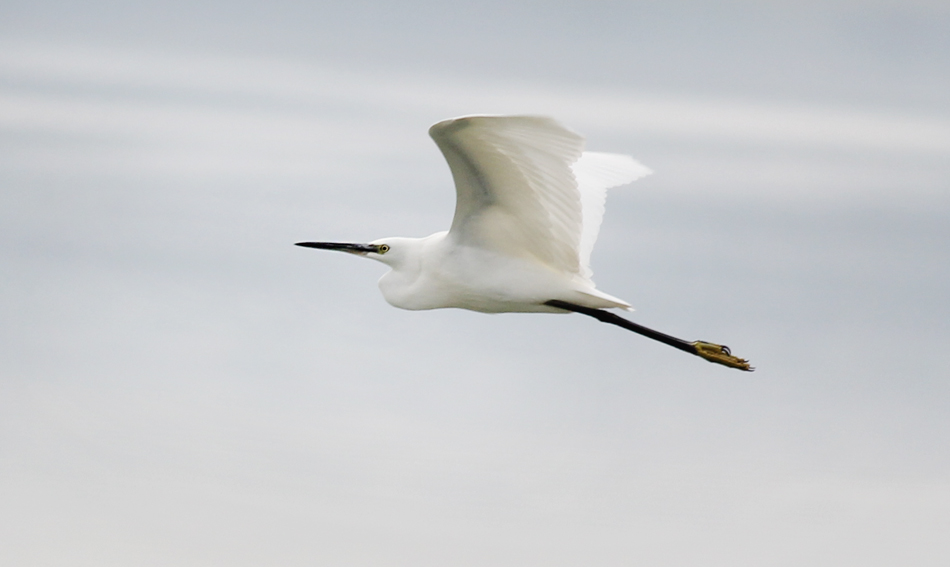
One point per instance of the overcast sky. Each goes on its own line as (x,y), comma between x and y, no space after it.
(179,385)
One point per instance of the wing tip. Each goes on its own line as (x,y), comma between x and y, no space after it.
(611,170)
(450,125)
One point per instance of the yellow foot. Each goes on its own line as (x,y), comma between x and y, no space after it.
(721,354)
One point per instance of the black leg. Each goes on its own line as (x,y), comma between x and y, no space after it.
(712,352)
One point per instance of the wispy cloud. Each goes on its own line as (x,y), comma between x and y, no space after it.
(166,94)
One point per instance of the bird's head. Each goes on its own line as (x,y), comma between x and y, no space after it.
(390,251)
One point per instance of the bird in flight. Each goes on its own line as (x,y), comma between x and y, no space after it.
(529,204)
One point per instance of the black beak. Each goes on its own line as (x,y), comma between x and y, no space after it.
(342,247)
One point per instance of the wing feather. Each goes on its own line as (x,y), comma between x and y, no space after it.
(596,172)
(525,187)
(516,192)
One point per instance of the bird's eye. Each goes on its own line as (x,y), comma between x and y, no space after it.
(383,248)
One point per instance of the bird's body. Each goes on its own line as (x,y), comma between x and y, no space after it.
(529,206)
(437,272)
(530,203)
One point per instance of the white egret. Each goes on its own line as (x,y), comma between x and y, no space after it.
(529,206)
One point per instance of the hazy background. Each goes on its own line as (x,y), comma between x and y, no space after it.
(182,386)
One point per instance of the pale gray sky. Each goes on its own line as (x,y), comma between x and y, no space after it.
(180,385)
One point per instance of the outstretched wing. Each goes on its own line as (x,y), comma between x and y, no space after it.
(595,173)
(516,192)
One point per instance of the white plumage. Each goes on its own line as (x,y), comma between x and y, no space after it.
(529,205)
